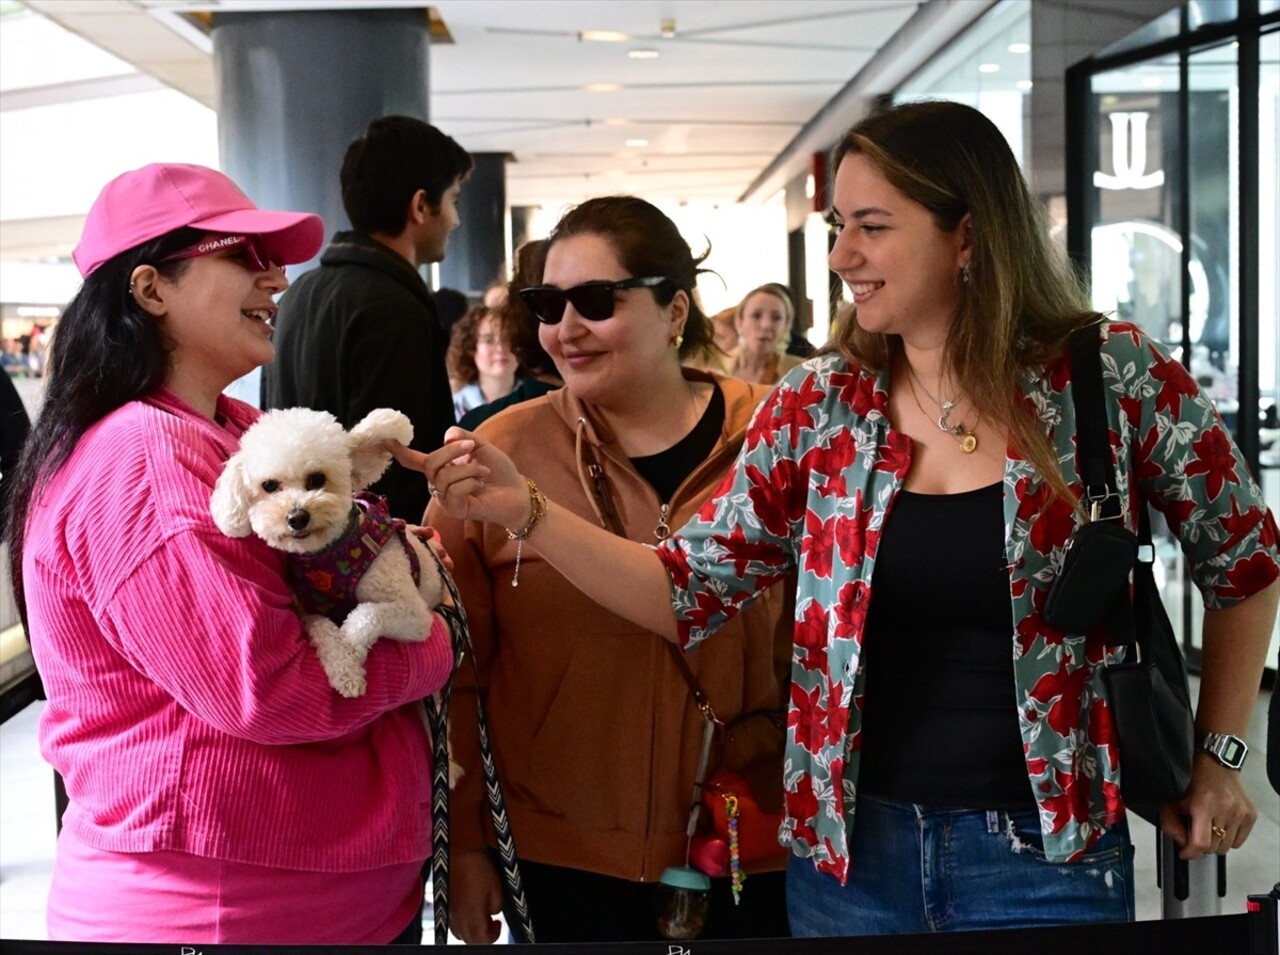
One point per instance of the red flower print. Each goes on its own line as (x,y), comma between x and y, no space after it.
(811,721)
(1102,730)
(1175,512)
(708,606)
(743,551)
(1070,803)
(818,545)
(833,864)
(1213,459)
(831,460)
(791,410)
(1247,577)
(1174,380)
(676,564)
(894,456)
(811,637)
(853,535)
(1238,526)
(858,390)
(1062,690)
(1125,328)
(1132,410)
(851,609)
(802,806)
(1054,524)
(778,497)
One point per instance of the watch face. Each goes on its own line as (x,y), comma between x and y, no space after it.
(1231,751)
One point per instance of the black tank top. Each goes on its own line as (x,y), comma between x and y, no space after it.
(667,469)
(940,724)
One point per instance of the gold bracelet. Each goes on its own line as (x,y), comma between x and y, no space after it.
(537,511)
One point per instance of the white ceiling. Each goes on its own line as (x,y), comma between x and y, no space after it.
(739,96)
(726,93)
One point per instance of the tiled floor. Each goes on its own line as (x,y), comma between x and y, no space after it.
(27,833)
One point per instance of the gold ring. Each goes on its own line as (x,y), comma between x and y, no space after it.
(1218,831)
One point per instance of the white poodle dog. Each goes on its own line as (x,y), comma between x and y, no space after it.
(356,574)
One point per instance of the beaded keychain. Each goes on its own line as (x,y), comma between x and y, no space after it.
(735,859)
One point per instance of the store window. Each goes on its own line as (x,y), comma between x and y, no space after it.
(1175,211)
(988,68)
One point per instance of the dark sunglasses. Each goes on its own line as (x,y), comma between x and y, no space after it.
(594,301)
(255,253)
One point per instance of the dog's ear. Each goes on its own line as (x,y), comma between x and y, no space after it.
(230,501)
(369,455)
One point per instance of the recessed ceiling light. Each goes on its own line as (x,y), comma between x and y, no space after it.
(603,36)
(643,53)
(637,143)
(1023,84)
(602,87)
(1019,47)
(988,67)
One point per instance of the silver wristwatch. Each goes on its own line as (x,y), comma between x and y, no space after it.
(1229,750)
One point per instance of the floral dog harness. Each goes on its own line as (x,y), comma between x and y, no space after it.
(325,582)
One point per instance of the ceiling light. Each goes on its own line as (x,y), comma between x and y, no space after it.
(617,121)
(988,67)
(602,87)
(637,143)
(1019,47)
(603,36)
(1023,84)
(643,53)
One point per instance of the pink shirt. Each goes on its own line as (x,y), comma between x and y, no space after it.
(187,712)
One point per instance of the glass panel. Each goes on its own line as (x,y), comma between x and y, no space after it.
(988,68)
(1269,283)
(1136,245)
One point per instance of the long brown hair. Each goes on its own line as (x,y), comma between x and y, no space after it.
(1021,300)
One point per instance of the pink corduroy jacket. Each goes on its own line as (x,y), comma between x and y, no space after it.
(187,711)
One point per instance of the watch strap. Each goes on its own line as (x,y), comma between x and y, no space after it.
(1229,750)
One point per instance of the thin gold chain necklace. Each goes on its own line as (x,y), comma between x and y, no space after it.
(968,439)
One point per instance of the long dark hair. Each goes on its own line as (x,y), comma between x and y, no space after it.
(105,352)
(646,242)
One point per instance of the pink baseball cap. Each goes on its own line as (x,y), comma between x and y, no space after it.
(146,203)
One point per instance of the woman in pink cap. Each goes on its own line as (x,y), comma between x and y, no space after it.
(219,790)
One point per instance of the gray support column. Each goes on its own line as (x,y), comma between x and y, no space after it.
(480,247)
(294,88)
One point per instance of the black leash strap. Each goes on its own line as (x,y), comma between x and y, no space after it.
(438,719)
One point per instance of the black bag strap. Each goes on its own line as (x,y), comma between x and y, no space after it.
(1092,444)
(438,718)
(1097,471)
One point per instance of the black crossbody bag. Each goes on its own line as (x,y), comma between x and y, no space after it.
(1149,695)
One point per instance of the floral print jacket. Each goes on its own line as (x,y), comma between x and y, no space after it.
(811,490)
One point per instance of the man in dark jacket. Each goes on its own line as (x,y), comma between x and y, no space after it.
(361,332)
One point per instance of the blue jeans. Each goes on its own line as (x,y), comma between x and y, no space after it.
(926,869)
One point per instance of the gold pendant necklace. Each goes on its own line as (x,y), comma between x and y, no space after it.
(968,439)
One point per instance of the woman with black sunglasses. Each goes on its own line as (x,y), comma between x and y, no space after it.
(595,732)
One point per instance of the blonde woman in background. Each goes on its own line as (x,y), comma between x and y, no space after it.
(763,325)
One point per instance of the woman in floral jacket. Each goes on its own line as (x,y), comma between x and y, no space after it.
(968,777)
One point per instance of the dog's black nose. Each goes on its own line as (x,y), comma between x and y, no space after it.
(297,518)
